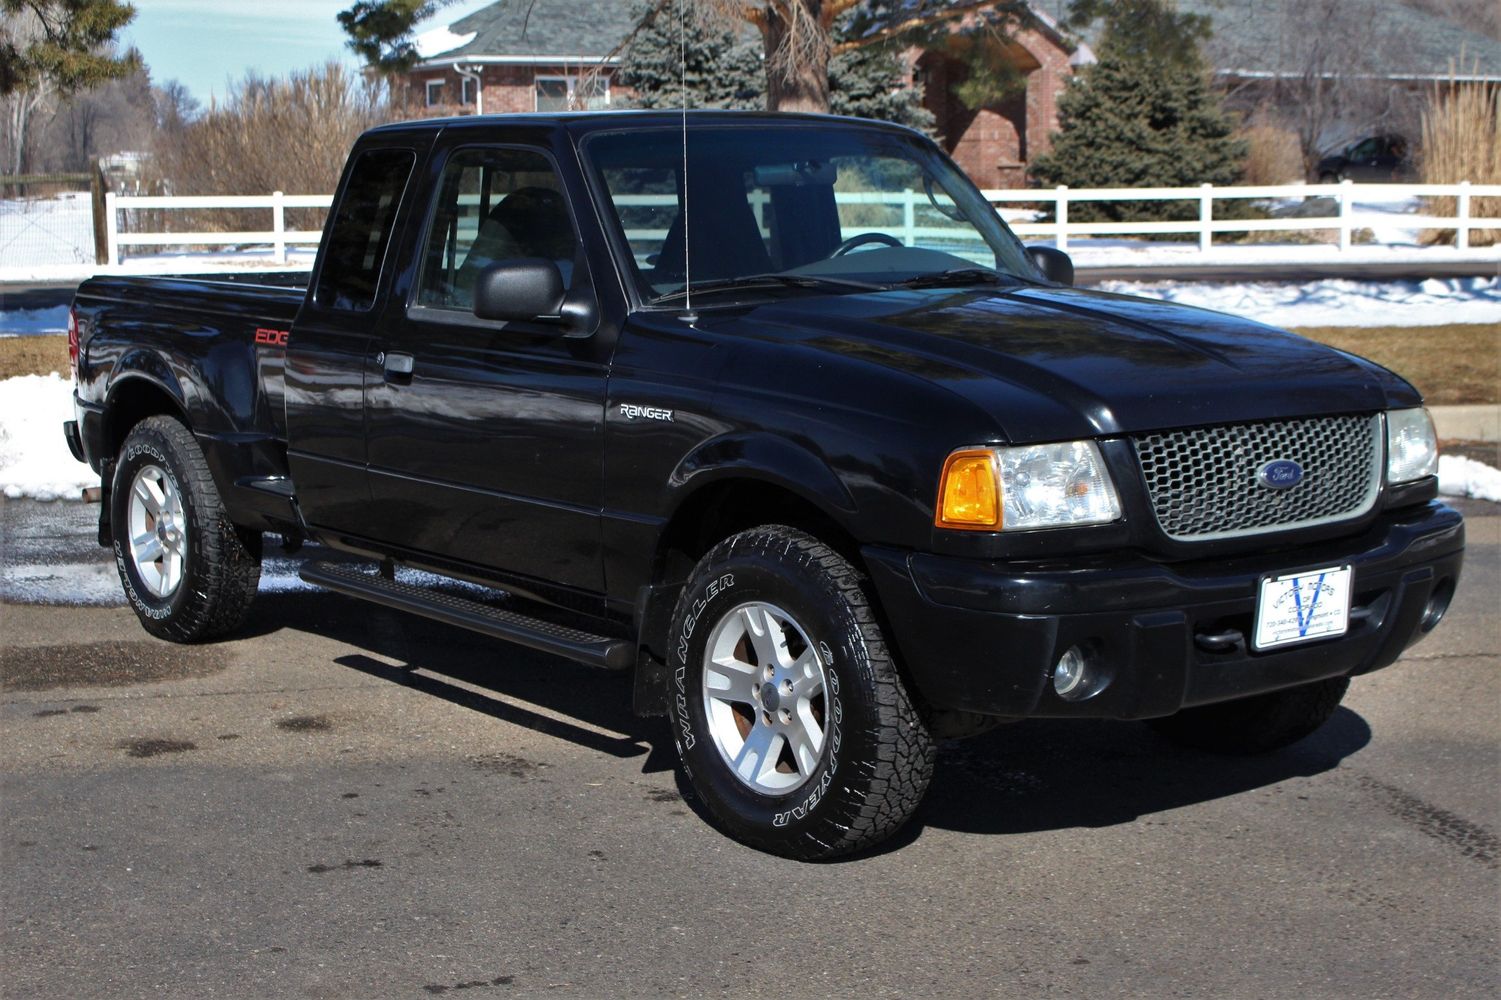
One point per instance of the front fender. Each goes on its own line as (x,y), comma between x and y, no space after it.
(766,457)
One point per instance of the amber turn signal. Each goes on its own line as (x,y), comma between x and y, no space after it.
(968,492)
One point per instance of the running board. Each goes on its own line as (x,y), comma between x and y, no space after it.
(533,633)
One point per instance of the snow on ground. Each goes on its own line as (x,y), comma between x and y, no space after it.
(1335,302)
(34,458)
(1464,477)
(47,232)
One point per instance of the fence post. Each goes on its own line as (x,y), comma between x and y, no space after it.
(279,226)
(909,217)
(1346,227)
(1206,214)
(1462,228)
(111,228)
(1060,216)
(96,209)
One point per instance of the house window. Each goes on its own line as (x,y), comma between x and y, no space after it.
(434,93)
(466,87)
(572,93)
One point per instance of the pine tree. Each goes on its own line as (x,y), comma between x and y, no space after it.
(869,83)
(54,48)
(714,66)
(726,69)
(1144,115)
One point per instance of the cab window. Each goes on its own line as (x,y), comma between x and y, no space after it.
(493,205)
(360,232)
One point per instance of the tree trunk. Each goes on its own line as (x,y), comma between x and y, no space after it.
(797,59)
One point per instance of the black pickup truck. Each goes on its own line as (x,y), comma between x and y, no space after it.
(788,423)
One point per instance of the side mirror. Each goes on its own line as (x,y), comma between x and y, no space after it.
(1055,265)
(527,289)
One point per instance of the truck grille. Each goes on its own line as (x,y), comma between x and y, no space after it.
(1205,483)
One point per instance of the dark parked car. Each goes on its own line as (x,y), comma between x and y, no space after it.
(886,478)
(1375,159)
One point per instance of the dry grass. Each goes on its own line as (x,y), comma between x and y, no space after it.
(1448,364)
(33,355)
(1274,155)
(1462,142)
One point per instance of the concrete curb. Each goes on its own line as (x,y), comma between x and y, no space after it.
(1468,423)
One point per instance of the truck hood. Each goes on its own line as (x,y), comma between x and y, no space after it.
(1056,363)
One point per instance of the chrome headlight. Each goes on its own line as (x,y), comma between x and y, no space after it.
(1411,445)
(1025,487)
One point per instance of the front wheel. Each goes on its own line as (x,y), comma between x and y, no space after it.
(188,571)
(1259,724)
(790,720)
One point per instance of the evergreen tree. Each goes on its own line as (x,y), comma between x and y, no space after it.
(1144,115)
(870,83)
(717,67)
(54,48)
(726,69)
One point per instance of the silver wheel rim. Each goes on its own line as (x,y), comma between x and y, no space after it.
(158,531)
(764,697)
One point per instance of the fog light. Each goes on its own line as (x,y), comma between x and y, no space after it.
(1071,675)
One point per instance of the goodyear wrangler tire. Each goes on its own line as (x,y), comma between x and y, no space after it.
(791,722)
(188,571)
(1259,724)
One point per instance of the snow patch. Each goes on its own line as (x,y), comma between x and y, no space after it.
(34,458)
(440,40)
(1464,477)
(1335,302)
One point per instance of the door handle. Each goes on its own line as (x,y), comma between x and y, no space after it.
(397,367)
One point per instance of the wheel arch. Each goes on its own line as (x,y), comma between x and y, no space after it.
(133,397)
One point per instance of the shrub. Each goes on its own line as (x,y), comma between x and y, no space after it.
(1273,154)
(1462,142)
(269,135)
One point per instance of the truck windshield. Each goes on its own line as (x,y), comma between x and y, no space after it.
(787,207)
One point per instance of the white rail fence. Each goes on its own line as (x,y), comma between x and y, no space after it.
(913,217)
(1347,219)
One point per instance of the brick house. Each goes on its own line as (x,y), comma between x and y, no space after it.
(498,60)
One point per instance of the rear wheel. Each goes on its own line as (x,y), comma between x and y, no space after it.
(187,570)
(1259,724)
(790,720)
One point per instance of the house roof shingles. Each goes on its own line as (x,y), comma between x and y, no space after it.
(556,30)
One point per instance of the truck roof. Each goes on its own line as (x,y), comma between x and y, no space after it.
(583,122)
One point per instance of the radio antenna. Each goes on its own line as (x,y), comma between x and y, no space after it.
(688,314)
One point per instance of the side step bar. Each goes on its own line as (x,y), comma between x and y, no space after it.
(533,633)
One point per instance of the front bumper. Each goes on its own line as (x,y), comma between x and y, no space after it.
(983,636)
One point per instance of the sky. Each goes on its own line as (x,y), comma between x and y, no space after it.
(204,44)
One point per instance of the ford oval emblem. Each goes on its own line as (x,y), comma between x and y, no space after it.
(1282,474)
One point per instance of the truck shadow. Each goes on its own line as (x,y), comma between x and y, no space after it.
(1029,777)
(1045,774)
(474,672)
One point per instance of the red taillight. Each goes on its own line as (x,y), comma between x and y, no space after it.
(73,342)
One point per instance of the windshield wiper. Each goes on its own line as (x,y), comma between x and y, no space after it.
(959,277)
(773,280)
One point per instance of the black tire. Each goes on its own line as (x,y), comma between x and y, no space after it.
(1259,724)
(876,757)
(220,563)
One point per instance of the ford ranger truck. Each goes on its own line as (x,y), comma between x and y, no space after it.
(790,425)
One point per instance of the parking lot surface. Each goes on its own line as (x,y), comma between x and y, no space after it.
(344,801)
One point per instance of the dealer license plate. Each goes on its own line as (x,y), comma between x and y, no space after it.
(1302,607)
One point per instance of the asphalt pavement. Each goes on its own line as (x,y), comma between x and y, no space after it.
(344,801)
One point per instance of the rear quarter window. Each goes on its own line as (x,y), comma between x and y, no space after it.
(361,229)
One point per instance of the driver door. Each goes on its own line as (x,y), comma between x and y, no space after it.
(485,438)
